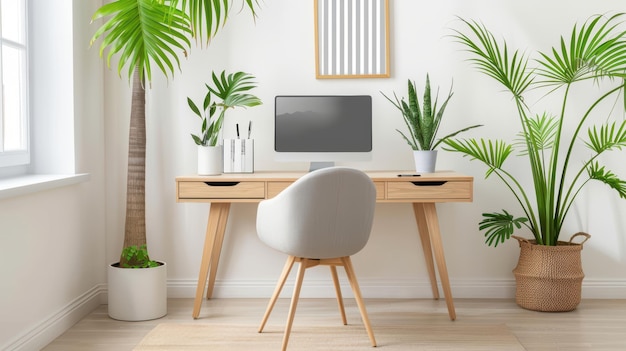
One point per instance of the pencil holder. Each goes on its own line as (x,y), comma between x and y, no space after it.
(238,155)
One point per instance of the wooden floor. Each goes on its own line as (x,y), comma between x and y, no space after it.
(595,325)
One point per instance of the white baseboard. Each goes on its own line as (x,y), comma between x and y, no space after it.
(386,288)
(56,324)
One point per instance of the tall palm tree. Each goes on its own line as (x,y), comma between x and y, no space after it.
(145,34)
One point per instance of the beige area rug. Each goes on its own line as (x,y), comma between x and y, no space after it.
(184,337)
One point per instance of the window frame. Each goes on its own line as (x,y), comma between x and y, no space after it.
(11,160)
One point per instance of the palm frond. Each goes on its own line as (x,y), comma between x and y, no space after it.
(229,88)
(540,134)
(508,68)
(608,137)
(208,16)
(143,32)
(491,153)
(607,177)
(499,226)
(593,51)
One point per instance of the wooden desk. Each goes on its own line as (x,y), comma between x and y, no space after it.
(423,192)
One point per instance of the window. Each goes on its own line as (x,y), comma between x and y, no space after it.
(14,117)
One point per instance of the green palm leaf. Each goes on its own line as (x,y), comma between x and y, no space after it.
(594,50)
(540,134)
(510,69)
(608,137)
(607,177)
(208,16)
(143,32)
(499,226)
(491,153)
(230,89)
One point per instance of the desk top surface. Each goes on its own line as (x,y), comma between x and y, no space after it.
(292,175)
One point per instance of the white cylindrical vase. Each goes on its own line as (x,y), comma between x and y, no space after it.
(425,160)
(137,294)
(210,160)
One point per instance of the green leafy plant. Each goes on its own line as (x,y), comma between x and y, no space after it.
(137,254)
(147,35)
(592,53)
(230,89)
(422,122)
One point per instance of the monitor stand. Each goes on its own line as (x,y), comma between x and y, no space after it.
(319,165)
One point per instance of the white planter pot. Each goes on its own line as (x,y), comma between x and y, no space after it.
(137,294)
(425,161)
(210,160)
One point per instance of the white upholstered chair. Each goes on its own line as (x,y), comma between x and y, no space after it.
(322,218)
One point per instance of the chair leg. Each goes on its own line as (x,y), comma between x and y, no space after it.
(333,272)
(279,287)
(347,263)
(294,301)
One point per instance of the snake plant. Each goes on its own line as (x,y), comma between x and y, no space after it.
(423,121)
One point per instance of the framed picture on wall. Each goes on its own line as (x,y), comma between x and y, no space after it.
(352,39)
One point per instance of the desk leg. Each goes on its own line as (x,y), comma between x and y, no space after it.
(217,246)
(422,227)
(432,223)
(218,214)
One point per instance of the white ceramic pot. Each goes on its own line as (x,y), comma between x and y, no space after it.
(425,160)
(137,294)
(210,160)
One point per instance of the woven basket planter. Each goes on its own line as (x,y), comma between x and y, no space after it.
(549,278)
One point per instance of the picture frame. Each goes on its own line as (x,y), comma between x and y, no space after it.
(352,39)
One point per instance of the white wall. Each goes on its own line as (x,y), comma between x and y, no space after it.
(55,245)
(279,50)
(52,268)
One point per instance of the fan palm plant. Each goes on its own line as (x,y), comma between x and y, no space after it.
(145,34)
(231,90)
(593,52)
(423,121)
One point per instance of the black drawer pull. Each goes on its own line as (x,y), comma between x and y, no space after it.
(431,183)
(221,183)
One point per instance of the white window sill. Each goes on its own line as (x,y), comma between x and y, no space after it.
(32,183)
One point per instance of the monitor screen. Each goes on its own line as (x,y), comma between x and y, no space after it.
(323,128)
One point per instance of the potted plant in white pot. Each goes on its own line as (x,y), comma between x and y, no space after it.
(549,272)
(231,90)
(143,33)
(423,124)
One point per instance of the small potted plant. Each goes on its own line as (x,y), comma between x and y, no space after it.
(423,124)
(230,89)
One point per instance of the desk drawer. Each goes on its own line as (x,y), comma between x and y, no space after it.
(436,191)
(221,190)
(273,188)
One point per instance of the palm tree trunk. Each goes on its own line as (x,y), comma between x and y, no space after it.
(135,225)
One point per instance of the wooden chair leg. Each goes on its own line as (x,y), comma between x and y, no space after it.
(294,301)
(279,287)
(347,263)
(333,272)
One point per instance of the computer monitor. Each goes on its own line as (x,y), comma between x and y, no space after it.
(323,129)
